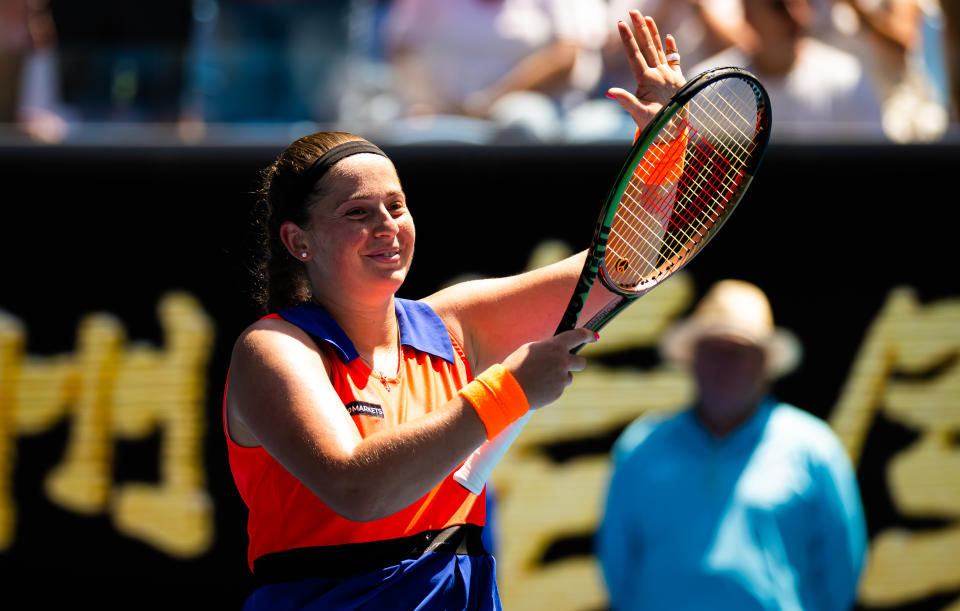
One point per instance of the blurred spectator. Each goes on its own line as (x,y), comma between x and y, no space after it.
(28,96)
(703,28)
(740,501)
(817,90)
(900,46)
(276,61)
(951,51)
(122,61)
(520,64)
(15,43)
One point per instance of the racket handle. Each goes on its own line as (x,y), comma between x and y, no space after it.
(476,470)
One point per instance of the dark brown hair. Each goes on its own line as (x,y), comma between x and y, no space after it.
(280,280)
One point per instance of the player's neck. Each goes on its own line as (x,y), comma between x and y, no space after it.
(373,328)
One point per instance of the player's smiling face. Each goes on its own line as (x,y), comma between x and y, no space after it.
(361,234)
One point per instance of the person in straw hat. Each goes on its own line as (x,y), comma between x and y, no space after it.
(741,501)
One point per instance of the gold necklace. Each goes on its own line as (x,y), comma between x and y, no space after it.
(384,380)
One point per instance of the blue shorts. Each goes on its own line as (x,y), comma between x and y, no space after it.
(440,578)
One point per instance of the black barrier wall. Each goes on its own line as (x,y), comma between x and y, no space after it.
(124,289)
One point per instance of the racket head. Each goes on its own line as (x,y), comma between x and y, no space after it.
(682,179)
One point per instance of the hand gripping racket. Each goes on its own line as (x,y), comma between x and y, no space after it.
(680,182)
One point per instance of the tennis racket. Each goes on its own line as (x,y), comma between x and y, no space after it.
(682,179)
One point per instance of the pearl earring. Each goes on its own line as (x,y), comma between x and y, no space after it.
(303,255)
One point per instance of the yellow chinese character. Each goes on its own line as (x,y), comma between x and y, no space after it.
(110,390)
(905,341)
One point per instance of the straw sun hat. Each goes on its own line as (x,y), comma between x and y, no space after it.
(734,307)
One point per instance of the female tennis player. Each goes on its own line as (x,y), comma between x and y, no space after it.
(347,409)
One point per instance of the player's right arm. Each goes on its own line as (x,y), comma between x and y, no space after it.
(280,397)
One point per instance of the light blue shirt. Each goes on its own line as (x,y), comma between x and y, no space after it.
(768,517)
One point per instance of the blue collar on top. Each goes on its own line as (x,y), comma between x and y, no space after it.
(420,328)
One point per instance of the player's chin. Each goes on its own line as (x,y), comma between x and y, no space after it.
(390,273)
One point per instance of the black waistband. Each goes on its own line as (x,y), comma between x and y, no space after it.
(355,558)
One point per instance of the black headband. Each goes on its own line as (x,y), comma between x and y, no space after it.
(326,161)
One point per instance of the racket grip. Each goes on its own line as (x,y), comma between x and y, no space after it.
(477,468)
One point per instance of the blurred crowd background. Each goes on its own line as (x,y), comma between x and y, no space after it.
(162,113)
(470,71)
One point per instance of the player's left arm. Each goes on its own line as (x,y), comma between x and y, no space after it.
(494,316)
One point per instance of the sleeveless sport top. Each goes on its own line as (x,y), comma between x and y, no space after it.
(292,533)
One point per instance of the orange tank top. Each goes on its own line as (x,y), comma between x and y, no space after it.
(284,514)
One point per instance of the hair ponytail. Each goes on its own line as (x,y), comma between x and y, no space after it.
(280,280)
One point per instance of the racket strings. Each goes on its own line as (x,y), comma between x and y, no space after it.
(715,174)
(682,184)
(649,211)
(734,97)
(721,160)
(651,214)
